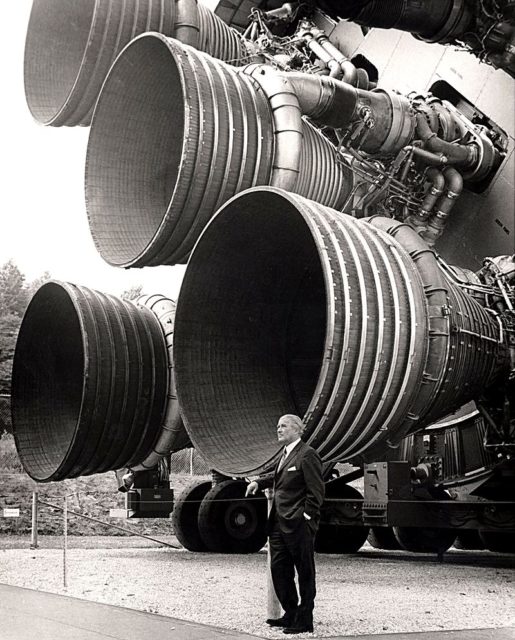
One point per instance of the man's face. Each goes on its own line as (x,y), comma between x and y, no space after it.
(286,433)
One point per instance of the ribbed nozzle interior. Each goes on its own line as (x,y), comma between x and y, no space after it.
(250,331)
(288,306)
(56,42)
(90,381)
(175,135)
(48,379)
(134,150)
(291,307)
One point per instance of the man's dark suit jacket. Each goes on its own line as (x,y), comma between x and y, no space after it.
(298,489)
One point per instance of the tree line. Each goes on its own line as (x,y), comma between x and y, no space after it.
(15,295)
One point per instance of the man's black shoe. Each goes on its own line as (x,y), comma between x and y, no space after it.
(304,628)
(283,621)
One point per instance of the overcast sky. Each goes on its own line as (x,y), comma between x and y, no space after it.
(44,224)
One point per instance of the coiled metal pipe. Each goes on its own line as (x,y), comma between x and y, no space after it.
(70,47)
(90,384)
(175,135)
(355,330)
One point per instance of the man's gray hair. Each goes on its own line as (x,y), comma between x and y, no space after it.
(293,421)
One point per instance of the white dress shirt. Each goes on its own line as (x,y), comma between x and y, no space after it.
(289,447)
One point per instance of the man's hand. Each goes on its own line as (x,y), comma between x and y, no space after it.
(252,489)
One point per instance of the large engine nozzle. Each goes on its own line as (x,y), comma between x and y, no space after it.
(490,35)
(176,134)
(91,390)
(291,307)
(71,45)
(432,20)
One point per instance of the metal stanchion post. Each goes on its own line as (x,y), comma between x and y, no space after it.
(65,539)
(273,606)
(34,530)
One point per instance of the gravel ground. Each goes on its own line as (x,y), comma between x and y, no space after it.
(370,592)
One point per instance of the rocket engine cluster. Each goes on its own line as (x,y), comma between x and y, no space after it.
(307,202)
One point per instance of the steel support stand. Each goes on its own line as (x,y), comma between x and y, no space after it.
(65,539)
(34,529)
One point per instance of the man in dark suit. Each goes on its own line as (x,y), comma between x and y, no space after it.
(292,524)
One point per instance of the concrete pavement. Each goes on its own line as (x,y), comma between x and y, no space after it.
(26,614)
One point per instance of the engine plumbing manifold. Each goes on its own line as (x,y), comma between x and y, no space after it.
(174,159)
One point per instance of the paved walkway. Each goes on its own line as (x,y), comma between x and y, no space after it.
(26,614)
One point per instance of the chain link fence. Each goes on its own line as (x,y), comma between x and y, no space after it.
(5,414)
(188,462)
(9,461)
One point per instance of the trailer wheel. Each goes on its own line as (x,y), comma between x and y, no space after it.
(185,515)
(469,540)
(229,522)
(499,541)
(425,539)
(383,538)
(333,537)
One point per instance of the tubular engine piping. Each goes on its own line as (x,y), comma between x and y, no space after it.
(436,291)
(172,436)
(339,66)
(337,104)
(187,26)
(453,189)
(418,220)
(457,154)
(287,124)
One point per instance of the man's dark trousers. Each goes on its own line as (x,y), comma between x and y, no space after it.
(298,492)
(290,551)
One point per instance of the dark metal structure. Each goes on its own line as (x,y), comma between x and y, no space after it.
(360,270)
(350,323)
(92,390)
(487,29)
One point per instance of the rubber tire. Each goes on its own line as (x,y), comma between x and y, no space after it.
(499,541)
(383,538)
(185,515)
(229,523)
(468,540)
(336,538)
(425,539)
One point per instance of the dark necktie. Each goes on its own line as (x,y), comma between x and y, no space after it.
(283,458)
